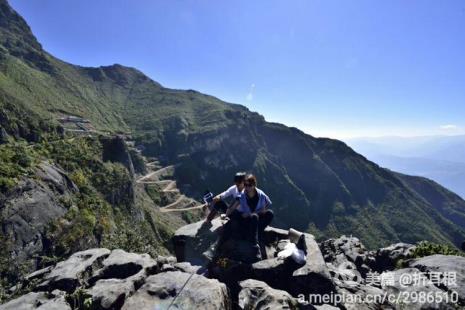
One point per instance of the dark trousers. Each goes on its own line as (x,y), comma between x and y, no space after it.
(251,227)
(219,207)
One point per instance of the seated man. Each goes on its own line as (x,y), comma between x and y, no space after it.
(252,210)
(219,204)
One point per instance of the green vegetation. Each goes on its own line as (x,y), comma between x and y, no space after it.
(80,300)
(425,248)
(102,213)
(17,160)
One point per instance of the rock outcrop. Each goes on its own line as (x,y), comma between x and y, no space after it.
(163,289)
(30,207)
(42,300)
(104,279)
(73,272)
(388,257)
(3,135)
(451,269)
(340,267)
(337,274)
(256,294)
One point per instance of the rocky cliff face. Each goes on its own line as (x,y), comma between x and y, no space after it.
(104,279)
(29,208)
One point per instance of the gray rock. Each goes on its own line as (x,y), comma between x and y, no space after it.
(345,250)
(160,290)
(110,293)
(74,271)
(388,257)
(56,177)
(121,265)
(43,301)
(314,276)
(186,267)
(345,274)
(39,274)
(272,234)
(360,290)
(29,208)
(258,295)
(325,307)
(275,272)
(419,285)
(191,241)
(3,136)
(161,260)
(167,267)
(122,273)
(445,265)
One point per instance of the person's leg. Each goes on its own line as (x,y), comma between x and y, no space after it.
(229,229)
(264,220)
(253,228)
(235,223)
(219,207)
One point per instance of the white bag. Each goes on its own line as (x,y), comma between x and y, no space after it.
(291,250)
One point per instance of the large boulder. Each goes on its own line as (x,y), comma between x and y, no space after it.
(275,272)
(182,290)
(314,275)
(75,271)
(121,265)
(27,210)
(41,300)
(451,270)
(354,293)
(110,293)
(193,240)
(258,295)
(408,283)
(344,251)
(121,274)
(389,257)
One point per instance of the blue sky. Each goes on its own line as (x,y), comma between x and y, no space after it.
(331,68)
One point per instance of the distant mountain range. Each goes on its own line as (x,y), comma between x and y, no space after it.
(440,158)
(317,185)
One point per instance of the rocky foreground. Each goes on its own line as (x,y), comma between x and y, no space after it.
(104,279)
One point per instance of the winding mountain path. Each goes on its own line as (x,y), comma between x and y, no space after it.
(154,174)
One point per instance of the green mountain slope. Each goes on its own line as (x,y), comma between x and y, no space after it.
(319,185)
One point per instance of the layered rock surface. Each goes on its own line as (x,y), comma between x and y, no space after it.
(32,205)
(343,267)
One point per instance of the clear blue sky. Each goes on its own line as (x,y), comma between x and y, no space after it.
(331,68)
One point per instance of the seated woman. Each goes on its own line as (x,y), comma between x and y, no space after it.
(252,210)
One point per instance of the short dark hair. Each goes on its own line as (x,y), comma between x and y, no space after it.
(251,179)
(239,177)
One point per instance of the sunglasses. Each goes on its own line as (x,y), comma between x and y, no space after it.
(248,185)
